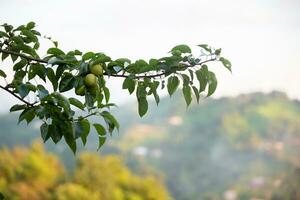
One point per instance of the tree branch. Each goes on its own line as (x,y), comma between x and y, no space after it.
(29,58)
(159,74)
(12,93)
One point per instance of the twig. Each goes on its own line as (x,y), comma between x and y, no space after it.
(29,58)
(12,93)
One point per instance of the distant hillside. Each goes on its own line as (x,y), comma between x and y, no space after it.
(217,146)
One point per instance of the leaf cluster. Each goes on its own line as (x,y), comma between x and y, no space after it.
(86,74)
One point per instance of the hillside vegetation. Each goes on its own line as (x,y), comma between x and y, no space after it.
(228,148)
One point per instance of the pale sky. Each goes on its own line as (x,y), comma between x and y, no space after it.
(260,37)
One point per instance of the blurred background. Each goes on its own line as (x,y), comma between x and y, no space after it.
(243,143)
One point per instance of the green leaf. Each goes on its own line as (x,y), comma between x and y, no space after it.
(54,60)
(59,71)
(154,87)
(55,51)
(69,137)
(30,25)
(212,83)
(23,90)
(226,63)
(218,52)
(202,76)
(62,101)
(42,93)
(3,34)
(186,79)
(196,92)
(17,107)
(67,82)
(206,47)
(77,103)
(141,63)
(2,73)
(153,62)
(122,61)
(86,126)
(172,85)
(88,56)
(29,35)
(101,142)
(141,90)
(28,114)
(7,27)
(100,98)
(100,129)
(101,58)
(37,69)
(51,76)
(182,48)
(77,52)
(4,56)
(106,94)
(111,120)
(14,57)
(17,39)
(31,87)
(36,32)
(142,106)
(129,84)
(22,63)
(101,133)
(28,49)
(54,133)
(187,94)
(44,132)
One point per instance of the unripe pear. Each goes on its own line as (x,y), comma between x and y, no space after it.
(97,69)
(90,80)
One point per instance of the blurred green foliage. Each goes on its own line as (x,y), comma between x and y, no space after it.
(33,174)
(243,147)
(247,146)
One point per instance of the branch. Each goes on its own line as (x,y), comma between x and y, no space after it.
(159,74)
(28,58)
(12,93)
(86,116)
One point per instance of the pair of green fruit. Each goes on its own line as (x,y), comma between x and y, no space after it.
(90,80)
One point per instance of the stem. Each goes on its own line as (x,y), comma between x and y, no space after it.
(86,116)
(159,74)
(12,93)
(29,58)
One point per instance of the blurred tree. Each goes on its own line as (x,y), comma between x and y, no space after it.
(114,180)
(32,174)
(72,191)
(29,173)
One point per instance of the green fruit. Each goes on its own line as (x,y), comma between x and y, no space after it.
(90,80)
(97,69)
(80,90)
(176,53)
